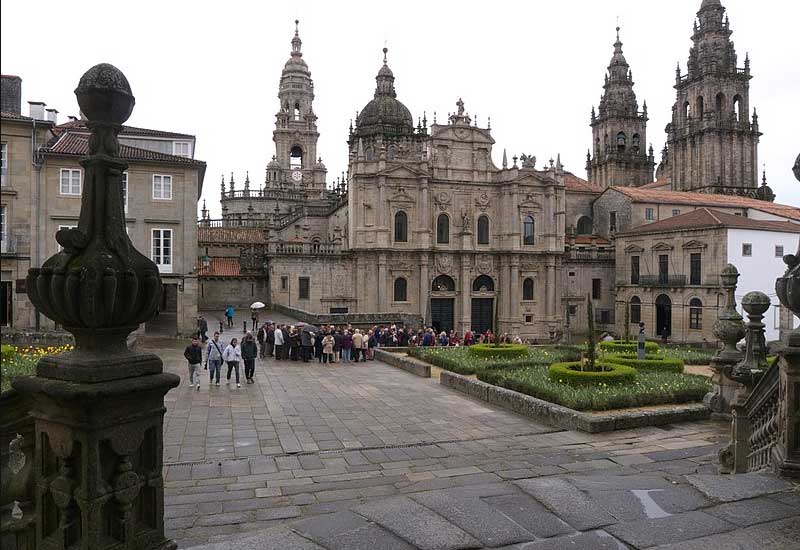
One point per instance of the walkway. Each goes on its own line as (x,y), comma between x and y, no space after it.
(368,456)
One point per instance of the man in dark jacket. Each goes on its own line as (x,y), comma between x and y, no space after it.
(249,354)
(202,328)
(270,339)
(262,341)
(305,342)
(194,355)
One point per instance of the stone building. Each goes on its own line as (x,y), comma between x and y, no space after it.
(668,271)
(160,190)
(424,226)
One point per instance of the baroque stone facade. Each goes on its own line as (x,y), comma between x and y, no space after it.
(425,225)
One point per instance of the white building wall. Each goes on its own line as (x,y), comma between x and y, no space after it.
(759,270)
(754,214)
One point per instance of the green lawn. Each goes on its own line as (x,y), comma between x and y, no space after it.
(650,388)
(459,360)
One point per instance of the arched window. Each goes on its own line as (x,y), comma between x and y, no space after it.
(484,283)
(687,111)
(527,289)
(442,229)
(621,141)
(597,145)
(297,111)
(528,230)
(401,227)
(370,154)
(585,225)
(719,106)
(695,314)
(443,283)
(483,229)
(701,108)
(296,157)
(635,143)
(737,107)
(636,310)
(400,290)
(391,152)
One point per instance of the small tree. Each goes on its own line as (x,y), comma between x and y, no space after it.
(592,344)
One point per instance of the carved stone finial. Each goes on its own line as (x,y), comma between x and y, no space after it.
(99,287)
(754,363)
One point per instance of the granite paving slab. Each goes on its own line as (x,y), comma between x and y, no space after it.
(591,540)
(737,487)
(276,538)
(348,531)
(416,524)
(783,534)
(652,532)
(567,502)
(753,511)
(529,514)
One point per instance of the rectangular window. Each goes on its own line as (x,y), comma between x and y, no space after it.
(634,270)
(284,282)
(649,214)
(571,273)
(181,148)
(305,284)
(779,251)
(663,269)
(162,187)
(528,319)
(695,268)
(338,310)
(3,162)
(676,211)
(70,182)
(597,285)
(162,249)
(125,192)
(612,221)
(3,229)
(747,249)
(636,312)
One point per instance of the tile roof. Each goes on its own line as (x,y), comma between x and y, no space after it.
(71,143)
(706,217)
(639,194)
(574,183)
(658,184)
(80,125)
(8,115)
(587,239)
(220,267)
(235,235)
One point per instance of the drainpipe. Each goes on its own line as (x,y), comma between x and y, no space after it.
(36,241)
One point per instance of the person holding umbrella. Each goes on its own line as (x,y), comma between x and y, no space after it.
(254,307)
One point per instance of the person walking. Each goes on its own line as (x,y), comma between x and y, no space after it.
(249,354)
(229,315)
(214,358)
(327,348)
(318,345)
(194,355)
(202,328)
(233,356)
(337,344)
(279,336)
(270,339)
(358,340)
(254,318)
(305,344)
(261,336)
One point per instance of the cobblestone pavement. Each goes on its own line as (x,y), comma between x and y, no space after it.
(368,456)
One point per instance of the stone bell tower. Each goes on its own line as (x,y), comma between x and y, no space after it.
(619,131)
(296,163)
(712,140)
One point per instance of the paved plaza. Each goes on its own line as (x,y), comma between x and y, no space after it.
(369,456)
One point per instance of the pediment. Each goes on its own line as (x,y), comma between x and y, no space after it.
(402,196)
(530,200)
(662,246)
(694,243)
(633,249)
(531,178)
(402,171)
(462,133)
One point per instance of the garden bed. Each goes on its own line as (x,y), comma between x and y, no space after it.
(21,361)
(458,359)
(651,362)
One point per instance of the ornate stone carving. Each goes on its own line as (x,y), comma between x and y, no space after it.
(444,263)
(442,200)
(752,366)
(482,201)
(484,263)
(788,290)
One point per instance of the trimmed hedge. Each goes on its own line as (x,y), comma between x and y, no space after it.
(7,352)
(500,351)
(570,373)
(618,346)
(458,359)
(650,362)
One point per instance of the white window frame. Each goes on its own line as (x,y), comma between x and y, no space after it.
(162,180)
(177,147)
(749,248)
(3,228)
(650,214)
(161,254)
(3,162)
(779,247)
(70,190)
(124,180)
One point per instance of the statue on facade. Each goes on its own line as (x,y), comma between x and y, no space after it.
(460,105)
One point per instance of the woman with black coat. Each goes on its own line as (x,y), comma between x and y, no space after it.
(249,354)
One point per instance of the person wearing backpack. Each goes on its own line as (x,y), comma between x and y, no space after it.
(214,358)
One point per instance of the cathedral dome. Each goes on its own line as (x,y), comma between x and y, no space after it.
(385,114)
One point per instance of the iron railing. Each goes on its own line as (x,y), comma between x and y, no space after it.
(662,280)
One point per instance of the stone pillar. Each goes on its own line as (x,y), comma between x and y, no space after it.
(513,291)
(787,452)
(550,303)
(466,286)
(383,284)
(424,289)
(98,410)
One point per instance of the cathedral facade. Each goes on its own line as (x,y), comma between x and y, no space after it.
(425,228)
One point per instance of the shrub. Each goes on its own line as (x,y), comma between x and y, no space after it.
(571,373)
(656,362)
(688,354)
(8,352)
(618,346)
(458,359)
(501,351)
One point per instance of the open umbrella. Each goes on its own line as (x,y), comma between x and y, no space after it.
(310,328)
(257,305)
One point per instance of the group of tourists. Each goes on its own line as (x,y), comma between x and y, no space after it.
(233,355)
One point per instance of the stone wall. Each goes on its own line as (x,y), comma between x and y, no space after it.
(358,320)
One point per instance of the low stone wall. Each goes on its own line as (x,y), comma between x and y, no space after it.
(570,419)
(401,361)
(359,320)
(39,339)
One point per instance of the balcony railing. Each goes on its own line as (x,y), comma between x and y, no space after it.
(589,254)
(8,244)
(662,280)
(308,249)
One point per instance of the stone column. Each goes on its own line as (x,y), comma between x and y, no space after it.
(550,304)
(513,291)
(383,284)
(466,286)
(424,288)
(98,410)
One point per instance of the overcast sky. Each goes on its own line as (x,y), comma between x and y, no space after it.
(212,69)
